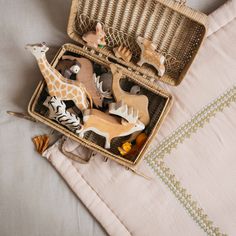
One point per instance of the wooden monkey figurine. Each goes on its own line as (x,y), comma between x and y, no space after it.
(150,56)
(95,39)
(56,83)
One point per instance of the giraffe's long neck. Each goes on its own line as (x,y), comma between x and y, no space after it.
(45,68)
(42,61)
(52,77)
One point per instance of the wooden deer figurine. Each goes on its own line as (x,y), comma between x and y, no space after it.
(138,102)
(97,38)
(56,83)
(109,126)
(150,56)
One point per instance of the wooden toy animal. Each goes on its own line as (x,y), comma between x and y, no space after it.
(72,70)
(95,39)
(67,68)
(123,52)
(85,73)
(89,79)
(63,66)
(99,86)
(135,89)
(56,82)
(135,149)
(106,79)
(57,111)
(138,102)
(125,148)
(122,109)
(108,126)
(150,56)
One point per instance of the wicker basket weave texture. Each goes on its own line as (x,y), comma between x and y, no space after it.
(177,35)
(177,31)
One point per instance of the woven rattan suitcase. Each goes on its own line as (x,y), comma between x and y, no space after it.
(178,32)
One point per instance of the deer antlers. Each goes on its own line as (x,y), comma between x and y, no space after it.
(121,109)
(104,94)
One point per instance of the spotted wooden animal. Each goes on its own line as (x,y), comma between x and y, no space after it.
(56,82)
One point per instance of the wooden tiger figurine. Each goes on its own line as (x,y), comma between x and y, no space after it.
(58,112)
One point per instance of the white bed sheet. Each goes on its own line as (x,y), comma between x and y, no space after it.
(34,200)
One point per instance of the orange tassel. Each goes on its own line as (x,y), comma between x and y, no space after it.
(41,143)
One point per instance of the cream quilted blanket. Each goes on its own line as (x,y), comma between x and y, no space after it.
(192,161)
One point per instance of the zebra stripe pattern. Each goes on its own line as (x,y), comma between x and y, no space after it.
(58,112)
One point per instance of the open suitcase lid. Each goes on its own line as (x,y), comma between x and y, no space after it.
(177,30)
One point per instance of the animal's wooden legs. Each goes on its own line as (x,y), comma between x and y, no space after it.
(81,134)
(160,69)
(107,138)
(107,143)
(162,59)
(133,136)
(141,61)
(80,105)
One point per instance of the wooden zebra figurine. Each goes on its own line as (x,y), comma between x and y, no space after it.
(58,112)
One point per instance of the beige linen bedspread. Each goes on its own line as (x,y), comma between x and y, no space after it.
(192,162)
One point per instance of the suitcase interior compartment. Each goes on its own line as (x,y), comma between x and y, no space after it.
(159,104)
(176,30)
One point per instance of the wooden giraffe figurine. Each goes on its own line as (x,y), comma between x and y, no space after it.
(56,83)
